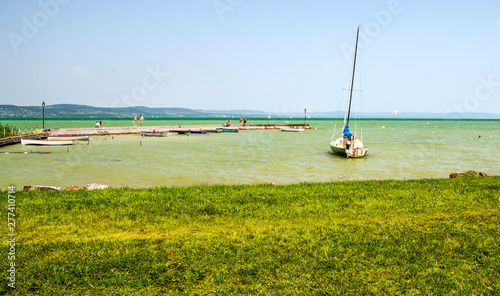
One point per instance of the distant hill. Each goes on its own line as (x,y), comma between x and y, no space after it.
(74,111)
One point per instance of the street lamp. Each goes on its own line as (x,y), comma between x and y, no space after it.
(43,120)
(305,112)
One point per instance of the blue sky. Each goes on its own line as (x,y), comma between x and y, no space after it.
(274,55)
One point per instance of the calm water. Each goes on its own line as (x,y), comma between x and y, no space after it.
(405,149)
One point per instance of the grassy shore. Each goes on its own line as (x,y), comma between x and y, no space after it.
(364,237)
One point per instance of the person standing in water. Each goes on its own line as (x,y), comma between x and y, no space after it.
(135,120)
(141,119)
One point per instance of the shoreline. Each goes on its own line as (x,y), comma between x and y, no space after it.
(52,187)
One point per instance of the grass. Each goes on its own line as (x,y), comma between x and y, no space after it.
(365,237)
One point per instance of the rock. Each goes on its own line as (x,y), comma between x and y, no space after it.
(69,188)
(40,187)
(474,173)
(470,173)
(272,184)
(94,186)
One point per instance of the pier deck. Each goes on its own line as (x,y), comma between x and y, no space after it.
(107,131)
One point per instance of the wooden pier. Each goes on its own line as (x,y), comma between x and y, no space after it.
(109,131)
(17,139)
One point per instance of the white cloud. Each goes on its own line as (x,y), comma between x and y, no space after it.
(79,71)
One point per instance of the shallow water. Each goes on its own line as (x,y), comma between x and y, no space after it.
(404,149)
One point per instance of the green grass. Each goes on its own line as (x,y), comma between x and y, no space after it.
(430,237)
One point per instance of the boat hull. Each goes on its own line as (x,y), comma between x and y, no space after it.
(151,134)
(292,129)
(46,142)
(357,150)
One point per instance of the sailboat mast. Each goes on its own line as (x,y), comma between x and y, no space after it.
(352,77)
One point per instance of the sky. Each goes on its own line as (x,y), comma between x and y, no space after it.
(273,56)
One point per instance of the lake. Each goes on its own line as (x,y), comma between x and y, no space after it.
(404,149)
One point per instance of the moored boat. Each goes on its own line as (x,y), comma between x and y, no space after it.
(153,134)
(198,132)
(46,142)
(289,129)
(230,130)
(349,144)
(180,132)
(214,130)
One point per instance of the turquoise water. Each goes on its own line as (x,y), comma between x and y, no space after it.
(404,149)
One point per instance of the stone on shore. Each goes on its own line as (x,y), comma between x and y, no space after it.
(468,173)
(69,188)
(40,187)
(94,186)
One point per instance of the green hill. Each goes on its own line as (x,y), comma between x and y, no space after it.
(72,110)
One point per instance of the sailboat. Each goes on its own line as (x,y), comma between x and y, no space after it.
(349,144)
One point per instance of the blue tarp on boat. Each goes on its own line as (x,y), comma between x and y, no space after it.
(346,132)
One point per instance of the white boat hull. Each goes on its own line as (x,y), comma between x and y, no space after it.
(356,150)
(69,138)
(292,129)
(46,142)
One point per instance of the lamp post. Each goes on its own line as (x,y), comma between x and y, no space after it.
(305,112)
(43,120)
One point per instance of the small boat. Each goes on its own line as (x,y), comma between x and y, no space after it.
(153,134)
(289,129)
(180,132)
(215,130)
(349,144)
(198,132)
(69,138)
(230,130)
(46,142)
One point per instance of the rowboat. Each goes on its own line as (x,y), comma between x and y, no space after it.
(230,130)
(69,138)
(179,132)
(153,134)
(215,130)
(198,132)
(46,142)
(292,129)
